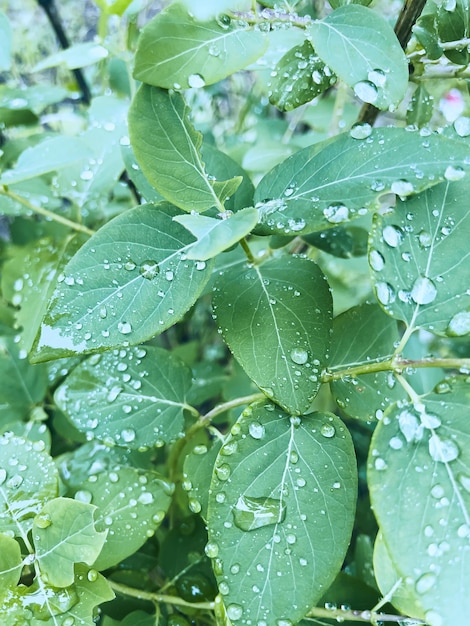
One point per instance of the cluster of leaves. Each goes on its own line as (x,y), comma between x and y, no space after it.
(149,289)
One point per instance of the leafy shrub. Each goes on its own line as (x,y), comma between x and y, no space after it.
(235,316)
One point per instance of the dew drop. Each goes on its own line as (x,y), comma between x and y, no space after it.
(169,275)
(336,213)
(92,575)
(211,549)
(454,173)
(443,450)
(462,126)
(129,266)
(234,611)
(252,513)
(433,618)
(128,435)
(423,291)
(256,430)
(424,239)
(3,475)
(196,80)
(425,582)
(361,131)
(459,325)
(223,472)
(328,431)
(376,260)
(299,356)
(149,269)
(430,420)
(402,188)
(124,328)
(392,235)
(43,520)
(200,265)
(385,293)
(366,91)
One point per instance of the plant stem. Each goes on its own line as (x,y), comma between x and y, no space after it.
(395,364)
(206,419)
(158,598)
(247,251)
(357,616)
(44,212)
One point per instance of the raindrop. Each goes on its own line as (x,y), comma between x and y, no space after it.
(252,513)
(92,575)
(402,188)
(462,126)
(376,260)
(124,328)
(129,266)
(211,549)
(423,291)
(299,356)
(3,475)
(234,611)
(223,472)
(336,213)
(169,275)
(200,265)
(459,325)
(410,426)
(366,91)
(328,430)
(385,293)
(43,520)
(149,269)
(145,498)
(224,588)
(214,50)
(103,312)
(392,235)
(425,582)
(424,239)
(377,77)
(128,435)
(361,131)
(444,450)
(433,618)
(429,420)
(196,80)
(256,430)
(454,173)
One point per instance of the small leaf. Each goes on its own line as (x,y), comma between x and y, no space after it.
(341,3)
(422,452)
(197,474)
(419,258)
(216,235)
(28,479)
(299,77)
(453,24)
(333,182)
(172,162)
(420,109)
(361,48)
(194,53)
(276,319)
(11,563)
(48,156)
(363,397)
(131,503)
(425,31)
(64,534)
(130,281)
(342,242)
(278,486)
(135,397)
(78,55)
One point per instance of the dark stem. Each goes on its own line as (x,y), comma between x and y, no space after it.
(56,23)
(409,14)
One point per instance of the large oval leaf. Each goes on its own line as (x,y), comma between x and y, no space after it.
(420,259)
(362,49)
(132,397)
(338,180)
(177,51)
(280,515)
(129,282)
(173,162)
(422,453)
(276,319)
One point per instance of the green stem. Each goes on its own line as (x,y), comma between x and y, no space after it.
(357,616)
(158,598)
(395,364)
(206,419)
(247,251)
(44,212)
(414,397)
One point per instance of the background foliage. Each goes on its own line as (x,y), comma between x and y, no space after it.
(234,313)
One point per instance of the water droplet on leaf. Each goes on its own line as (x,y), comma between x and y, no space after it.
(252,513)
(423,291)
(149,269)
(366,91)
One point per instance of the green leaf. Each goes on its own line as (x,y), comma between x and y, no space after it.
(145,189)
(48,156)
(216,235)
(23,385)
(28,478)
(78,55)
(342,242)
(64,534)
(330,183)
(135,397)
(172,161)
(130,281)
(11,562)
(281,510)
(131,503)
(421,106)
(360,47)
(341,3)
(33,272)
(421,451)
(197,474)
(453,24)
(367,396)
(276,319)
(419,258)
(425,31)
(299,77)
(176,51)
(5,42)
